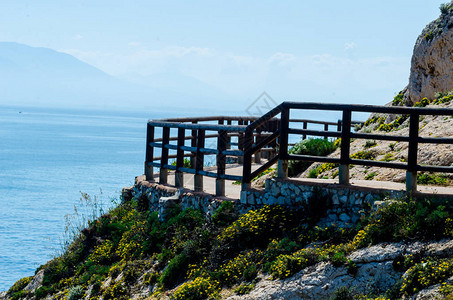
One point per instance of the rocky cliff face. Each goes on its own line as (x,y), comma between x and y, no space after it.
(432,60)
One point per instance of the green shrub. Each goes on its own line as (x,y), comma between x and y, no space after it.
(198,289)
(338,259)
(352,267)
(398,99)
(432,179)
(256,228)
(42,292)
(444,8)
(241,268)
(394,125)
(426,274)
(19,285)
(20,295)
(116,291)
(407,219)
(313,173)
(370,176)
(186,163)
(369,144)
(388,157)
(175,271)
(244,288)
(368,155)
(75,293)
(343,293)
(316,147)
(287,265)
(424,102)
(224,215)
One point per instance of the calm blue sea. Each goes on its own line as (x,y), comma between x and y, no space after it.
(49,156)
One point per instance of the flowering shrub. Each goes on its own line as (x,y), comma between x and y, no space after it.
(321,169)
(287,265)
(197,289)
(242,267)
(102,254)
(425,274)
(257,227)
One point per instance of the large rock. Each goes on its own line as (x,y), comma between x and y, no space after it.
(432,60)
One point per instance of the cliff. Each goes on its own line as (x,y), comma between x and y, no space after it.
(432,60)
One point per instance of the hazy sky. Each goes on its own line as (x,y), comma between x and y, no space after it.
(338,51)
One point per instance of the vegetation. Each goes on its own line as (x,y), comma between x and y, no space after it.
(432,179)
(133,247)
(321,169)
(445,8)
(316,147)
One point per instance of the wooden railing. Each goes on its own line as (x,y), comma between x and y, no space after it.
(224,137)
(268,136)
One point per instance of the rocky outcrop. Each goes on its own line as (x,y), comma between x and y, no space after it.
(432,60)
(375,274)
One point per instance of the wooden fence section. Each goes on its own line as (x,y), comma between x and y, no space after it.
(268,137)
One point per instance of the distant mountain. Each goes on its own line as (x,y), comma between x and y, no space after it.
(45,77)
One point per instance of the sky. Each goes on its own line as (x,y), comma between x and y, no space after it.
(330,51)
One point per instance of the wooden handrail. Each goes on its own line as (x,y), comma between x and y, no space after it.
(269,134)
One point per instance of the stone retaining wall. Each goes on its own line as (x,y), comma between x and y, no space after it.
(337,204)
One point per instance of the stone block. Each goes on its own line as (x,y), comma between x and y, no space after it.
(344,217)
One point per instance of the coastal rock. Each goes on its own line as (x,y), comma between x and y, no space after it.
(36,282)
(432,61)
(375,268)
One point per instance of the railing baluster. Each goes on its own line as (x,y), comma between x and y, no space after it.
(149,170)
(198,180)
(282,166)
(304,126)
(221,161)
(247,166)
(257,140)
(411,174)
(179,176)
(326,128)
(241,142)
(343,175)
(193,143)
(163,173)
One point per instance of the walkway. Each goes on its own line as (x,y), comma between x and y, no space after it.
(233,190)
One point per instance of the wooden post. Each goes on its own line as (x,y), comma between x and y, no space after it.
(282,165)
(241,143)
(411,173)
(229,137)
(221,160)
(149,170)
(198,182)
(339,126)
(326,128)
(163,173)
(304,126)
(247,164)
(343,174)
(257,140)
(193,143)
(179,176)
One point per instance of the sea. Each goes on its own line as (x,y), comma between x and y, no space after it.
(48,158)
